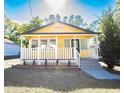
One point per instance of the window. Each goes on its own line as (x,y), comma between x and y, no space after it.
(83,45)
(52,43)
(67,43)
(34,43)
(43,43)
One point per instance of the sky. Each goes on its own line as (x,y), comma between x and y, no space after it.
(90,10)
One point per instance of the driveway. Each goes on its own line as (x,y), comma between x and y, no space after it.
(94,69)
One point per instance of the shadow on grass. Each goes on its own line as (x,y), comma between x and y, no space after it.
(55,78)
(111,71)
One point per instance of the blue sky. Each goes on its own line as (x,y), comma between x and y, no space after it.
(19,9)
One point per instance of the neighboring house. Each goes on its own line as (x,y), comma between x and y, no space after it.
(10,48)
(59,41)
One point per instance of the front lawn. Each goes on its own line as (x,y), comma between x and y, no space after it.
(55,80)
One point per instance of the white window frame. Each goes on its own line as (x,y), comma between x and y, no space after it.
(32,42)
(48,39)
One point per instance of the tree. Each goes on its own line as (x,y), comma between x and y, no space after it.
(94,26)
(13,29)
(65,18)
(71,19)
(109,50)
(78,21)
(58,17)
(10,30)
(35,22)
(52,18)
(117,13)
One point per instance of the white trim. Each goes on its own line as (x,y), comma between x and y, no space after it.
(48,40)
(60,35)
(80,44)
(21,47)
(56,42)
(30,42)
(56,49)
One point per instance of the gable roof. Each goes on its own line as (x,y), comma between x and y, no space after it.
(84,31)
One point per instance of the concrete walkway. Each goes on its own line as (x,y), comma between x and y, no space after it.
(93,68)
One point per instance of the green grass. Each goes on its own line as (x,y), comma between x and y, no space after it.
(32,80)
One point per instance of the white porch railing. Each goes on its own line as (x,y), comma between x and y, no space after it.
(51,53)
(77,57)
(47,53)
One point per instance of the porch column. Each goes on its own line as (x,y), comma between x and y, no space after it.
(21,46)
(38,41)
(88,46)
(74,47)
(38,49)
(56,54)
(74,42)
(30,43)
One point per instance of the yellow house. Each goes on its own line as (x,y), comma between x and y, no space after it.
(63,41)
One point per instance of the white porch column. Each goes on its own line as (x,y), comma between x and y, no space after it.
(74,41)
(38,41)
(56,48)
(74,47)
(38,50)
(30,43)
(88,46)
(21,47)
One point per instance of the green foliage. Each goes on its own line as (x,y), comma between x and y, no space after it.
(13,29)
(65,19)
(25,42)
(109,50)
(35,22)
(52,18)
(58,17)
(117,12)
(94,26)
(78,20)
(71,19)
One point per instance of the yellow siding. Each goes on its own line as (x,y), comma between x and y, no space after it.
(58,27)
(84,53)
(60,42)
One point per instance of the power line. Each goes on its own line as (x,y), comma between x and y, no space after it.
(30,8)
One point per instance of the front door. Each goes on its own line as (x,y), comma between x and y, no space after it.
(75,43)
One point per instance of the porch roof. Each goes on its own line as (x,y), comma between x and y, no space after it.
(83,31)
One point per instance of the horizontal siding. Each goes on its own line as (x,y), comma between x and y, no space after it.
(11,49)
